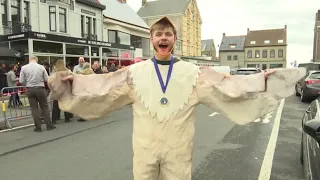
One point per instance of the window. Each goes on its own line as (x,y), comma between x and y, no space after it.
(272,53)
(264,53)
(82,25)
(232,46)
(63,20)
(26,13)
(249,54)
(52,18)
(276,66)
(94,24)
(88,25)
(235,57)
(267,41)
(280,41)
(112,36)
(280,53)
(71,5)
(15,11)
(124,38)
(253,42)
(4,11)
(229,58)
(257,53)
(136,41)
(178,46)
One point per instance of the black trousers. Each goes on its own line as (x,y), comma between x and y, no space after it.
(56,112)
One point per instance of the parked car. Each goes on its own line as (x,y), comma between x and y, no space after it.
(247,71)
(310,66)
(310,141)
(308,88)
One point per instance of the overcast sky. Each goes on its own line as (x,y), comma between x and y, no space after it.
(235,16)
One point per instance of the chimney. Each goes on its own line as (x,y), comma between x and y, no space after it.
(144,2)
(223,34)
(285,26)
(248,30)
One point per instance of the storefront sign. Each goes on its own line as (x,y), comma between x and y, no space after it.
(16,36)
(66,39)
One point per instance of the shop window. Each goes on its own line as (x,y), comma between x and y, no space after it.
(124,38)
(20,45)
(94,51)
(47,47)
(276,66)
(76,50)
(110,52)
(126,53)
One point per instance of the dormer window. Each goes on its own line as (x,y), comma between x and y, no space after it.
(280,41)
(253,42)
(267,41)
(232,46)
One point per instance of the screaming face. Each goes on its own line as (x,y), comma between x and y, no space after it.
(163,41)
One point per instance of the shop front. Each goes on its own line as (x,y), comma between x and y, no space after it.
(49,48)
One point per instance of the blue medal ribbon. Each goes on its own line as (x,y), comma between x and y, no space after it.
(163,100)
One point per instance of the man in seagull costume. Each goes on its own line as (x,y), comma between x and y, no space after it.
(164,92)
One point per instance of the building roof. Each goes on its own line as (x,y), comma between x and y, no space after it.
(232,43)
(95,4)
(268,37)
(163,7)
(122,12)
(206,45)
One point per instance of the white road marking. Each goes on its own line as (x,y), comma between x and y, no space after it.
(213,114)
(15,128)
(265,171)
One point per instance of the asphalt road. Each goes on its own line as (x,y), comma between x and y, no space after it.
(222,150)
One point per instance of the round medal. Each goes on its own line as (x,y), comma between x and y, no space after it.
(164,101)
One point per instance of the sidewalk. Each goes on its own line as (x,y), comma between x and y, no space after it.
(14,141)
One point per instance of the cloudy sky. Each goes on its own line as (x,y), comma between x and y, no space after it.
(234,17)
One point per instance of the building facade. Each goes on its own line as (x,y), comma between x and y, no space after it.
(316,41)
(126,28)
(231,51)
(208,49)
(266,49)
(51,30)
(185,16)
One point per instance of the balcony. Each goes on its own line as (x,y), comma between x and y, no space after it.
(12,27)
(91,37)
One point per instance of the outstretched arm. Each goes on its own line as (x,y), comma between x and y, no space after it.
(91,96)
(244,98)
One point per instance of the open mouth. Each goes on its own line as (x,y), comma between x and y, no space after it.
(163,46)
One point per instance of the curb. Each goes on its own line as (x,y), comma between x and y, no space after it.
(58,137)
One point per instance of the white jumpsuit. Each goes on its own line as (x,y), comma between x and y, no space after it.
(163,135)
